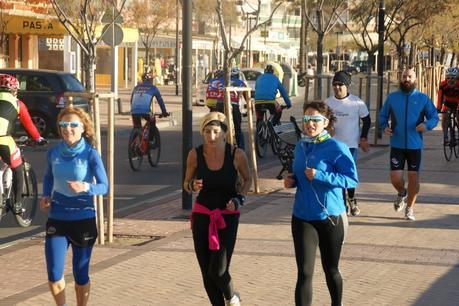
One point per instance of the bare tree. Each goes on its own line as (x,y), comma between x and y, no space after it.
(410,15)
(327,15)
(364,16)
(81,19)
(230,52)
(150,18)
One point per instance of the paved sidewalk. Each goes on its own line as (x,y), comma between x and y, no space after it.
(385,261)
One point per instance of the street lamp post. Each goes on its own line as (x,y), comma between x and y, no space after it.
(176,47)
(381,29)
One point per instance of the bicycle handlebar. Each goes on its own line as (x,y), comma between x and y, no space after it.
(25,141)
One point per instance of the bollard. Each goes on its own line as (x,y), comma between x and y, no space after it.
(120,106)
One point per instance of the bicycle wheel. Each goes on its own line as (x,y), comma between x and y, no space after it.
(447,148)
(134,152)
(29,197)
(154,148)
(455,136)
(275,141)
(261,139)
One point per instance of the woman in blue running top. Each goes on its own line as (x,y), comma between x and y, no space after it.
(68,190)
(322,167)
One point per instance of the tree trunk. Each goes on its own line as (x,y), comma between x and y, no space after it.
(451,63)
(442,55)
(320,63)
(147,55)
(89,71)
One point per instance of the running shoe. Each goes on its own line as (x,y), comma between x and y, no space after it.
(409,214)
(355,211)
(399,202)
(235,300)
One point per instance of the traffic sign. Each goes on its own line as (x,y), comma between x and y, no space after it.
(113,35)
(110,14)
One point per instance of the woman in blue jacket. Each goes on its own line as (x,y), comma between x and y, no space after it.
(68,190)
(322,167)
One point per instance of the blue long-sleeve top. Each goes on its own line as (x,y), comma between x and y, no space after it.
(142,98)
(406,111)
(266,88)
(335,170)
(79,163)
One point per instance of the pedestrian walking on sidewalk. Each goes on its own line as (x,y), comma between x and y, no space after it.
(349,110)
(212,170)
(411,114)
(68,190)
(322,167)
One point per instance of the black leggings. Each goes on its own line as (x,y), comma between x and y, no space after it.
(215,264)
(307,235)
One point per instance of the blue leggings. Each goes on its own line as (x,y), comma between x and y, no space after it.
(56,250)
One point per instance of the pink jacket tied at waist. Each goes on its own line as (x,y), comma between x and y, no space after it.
(216,222)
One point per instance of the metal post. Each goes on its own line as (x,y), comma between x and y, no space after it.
(381,30)
(187,113)
(176,47)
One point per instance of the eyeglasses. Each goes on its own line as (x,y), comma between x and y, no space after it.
(73,124)
(313,118)
(338,84)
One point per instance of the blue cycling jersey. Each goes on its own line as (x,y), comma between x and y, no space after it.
(267,86)
(142,97)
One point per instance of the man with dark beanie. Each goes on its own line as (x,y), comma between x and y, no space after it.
(349,110)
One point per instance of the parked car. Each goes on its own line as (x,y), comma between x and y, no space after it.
(251,76)
(202,87)
(357,66)
(42,91)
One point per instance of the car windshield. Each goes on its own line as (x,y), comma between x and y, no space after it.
(251,75)
(72,83)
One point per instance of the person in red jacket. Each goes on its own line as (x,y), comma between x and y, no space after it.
(448,94)
(10,109)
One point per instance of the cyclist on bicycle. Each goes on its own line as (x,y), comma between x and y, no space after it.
(235,106)
(266,89)
(10,109)
(448,94)
(142,100)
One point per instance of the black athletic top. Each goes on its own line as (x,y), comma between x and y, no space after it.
(219,186)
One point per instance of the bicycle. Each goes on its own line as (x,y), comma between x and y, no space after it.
(142,143)
(264,134)
(451,135)
(29,194)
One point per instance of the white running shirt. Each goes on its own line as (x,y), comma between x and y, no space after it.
(348,112)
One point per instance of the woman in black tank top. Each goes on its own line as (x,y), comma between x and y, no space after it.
(212,170)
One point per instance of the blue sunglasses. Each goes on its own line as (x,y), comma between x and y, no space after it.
(73,124)
(313,118)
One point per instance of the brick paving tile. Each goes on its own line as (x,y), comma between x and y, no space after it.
(386,260)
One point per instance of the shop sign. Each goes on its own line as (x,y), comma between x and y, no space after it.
(27,25)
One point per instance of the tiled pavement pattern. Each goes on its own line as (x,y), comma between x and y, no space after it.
(385,261)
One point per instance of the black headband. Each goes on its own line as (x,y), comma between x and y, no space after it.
(218,123)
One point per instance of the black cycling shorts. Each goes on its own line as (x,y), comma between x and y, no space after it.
(399,156)
(80,233)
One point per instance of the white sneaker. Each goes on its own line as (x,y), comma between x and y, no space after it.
(409,214)
(235,300)
(399,202)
